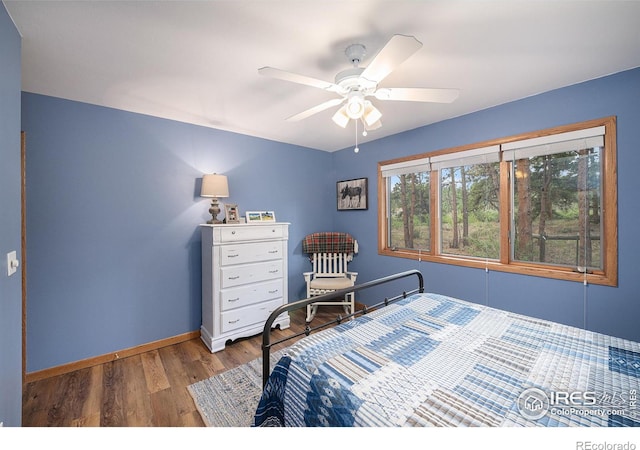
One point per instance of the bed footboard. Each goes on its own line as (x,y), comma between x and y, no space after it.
(266,333)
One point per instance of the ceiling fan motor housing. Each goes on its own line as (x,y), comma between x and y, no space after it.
(349,80)
(355,53)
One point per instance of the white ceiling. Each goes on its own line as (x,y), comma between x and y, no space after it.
(198,61)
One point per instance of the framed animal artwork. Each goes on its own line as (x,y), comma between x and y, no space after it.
(352,194)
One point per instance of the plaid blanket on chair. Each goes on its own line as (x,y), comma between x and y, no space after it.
(329,242)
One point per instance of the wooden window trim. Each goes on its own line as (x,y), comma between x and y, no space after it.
(608,276)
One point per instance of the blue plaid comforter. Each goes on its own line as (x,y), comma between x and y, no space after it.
(432,360)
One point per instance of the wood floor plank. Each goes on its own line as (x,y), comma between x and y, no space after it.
(112,411)
(77,391)
(193,419)
(154,371)
(35,418)
(36,398)
(137,412)
(70,394)
(212,364)
(181,401)
(163,406)
(89,420)
(196,371)
(194,349)
(93,402)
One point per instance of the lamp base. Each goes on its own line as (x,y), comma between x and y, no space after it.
(214,210)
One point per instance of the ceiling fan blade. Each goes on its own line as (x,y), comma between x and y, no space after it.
(394,53)
(297,78)
(417,94)
(316,109)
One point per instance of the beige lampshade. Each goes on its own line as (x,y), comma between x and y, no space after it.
(340,118)
(214,185)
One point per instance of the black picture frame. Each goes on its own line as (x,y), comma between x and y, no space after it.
(352,194)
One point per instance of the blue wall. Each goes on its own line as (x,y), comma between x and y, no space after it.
(10,224)
(610,310)
(113,209)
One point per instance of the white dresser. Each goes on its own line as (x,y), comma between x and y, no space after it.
(244,278)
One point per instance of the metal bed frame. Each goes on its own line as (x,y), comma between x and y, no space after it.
(266,333)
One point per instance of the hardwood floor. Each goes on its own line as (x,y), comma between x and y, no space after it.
(146,390)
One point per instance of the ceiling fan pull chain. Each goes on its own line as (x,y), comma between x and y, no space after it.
(356,150)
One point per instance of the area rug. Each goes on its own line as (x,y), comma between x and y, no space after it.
(230,398)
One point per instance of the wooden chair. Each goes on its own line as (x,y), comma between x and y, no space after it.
(329,253)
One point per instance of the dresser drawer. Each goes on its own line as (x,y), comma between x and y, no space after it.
(242,317)
(238,297)
(250,233)
(250,273)
(246,253)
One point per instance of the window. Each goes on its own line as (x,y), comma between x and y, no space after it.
(556,217)
(543,203)
(408,204)
(469,202)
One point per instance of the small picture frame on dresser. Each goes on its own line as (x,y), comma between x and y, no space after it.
(260,216)
(231,213)
(268,216)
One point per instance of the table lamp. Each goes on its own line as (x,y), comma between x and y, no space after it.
(214,186)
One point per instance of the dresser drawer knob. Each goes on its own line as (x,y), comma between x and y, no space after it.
(234,321)
(233,278)
(234,299)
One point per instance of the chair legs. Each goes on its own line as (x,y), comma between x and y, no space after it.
(311,312)
(351,307)
(348,305)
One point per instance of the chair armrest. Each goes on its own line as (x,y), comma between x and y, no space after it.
(307,276)
(352,276)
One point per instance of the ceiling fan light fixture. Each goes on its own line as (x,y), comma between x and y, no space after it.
(341,118)
(355,106)
(371,114)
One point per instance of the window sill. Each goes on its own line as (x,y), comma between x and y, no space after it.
(537,270)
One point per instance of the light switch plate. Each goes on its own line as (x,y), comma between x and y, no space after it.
(12,263)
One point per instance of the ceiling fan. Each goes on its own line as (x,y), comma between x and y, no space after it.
(356,85)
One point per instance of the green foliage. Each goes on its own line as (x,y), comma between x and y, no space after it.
(552,178)
(485,215)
